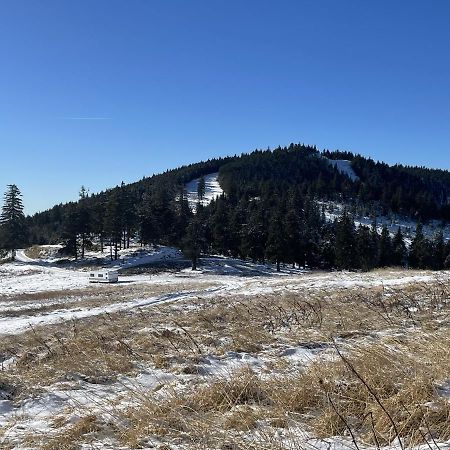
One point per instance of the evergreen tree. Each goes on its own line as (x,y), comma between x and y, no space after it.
(220,227)
(69,231)
(254,235)
(201,188)
(148,223)
(385,248)
(194,243)
(438,251)
(113,224)
(276,239)
(292,229)
(83,219)
(419,254)
(13,232)
(366,248)
(346,255)
(399,251)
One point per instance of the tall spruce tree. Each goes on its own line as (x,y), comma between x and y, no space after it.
(385,252)
(438,251)
(201,188)
(13,232)
(70,228)
(83,219)
(366,248)
(399,252)
(276,239)
(346,255)
(194,241)
(420,250)
(113,223)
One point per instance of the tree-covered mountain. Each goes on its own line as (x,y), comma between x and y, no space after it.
(269,210)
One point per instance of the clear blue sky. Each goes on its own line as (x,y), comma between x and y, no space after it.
(94,92)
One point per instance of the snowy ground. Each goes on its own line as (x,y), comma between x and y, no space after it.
(176,331)
(212,190)
(333,210)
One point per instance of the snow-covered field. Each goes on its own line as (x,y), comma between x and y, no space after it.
(215,358)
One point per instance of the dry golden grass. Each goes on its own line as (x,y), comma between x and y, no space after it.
(382,355)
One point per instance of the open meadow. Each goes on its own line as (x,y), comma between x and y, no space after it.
(233,356)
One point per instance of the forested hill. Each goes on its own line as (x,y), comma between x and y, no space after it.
(266,192)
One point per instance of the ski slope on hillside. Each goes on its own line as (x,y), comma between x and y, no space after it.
(212,190)
(344,166)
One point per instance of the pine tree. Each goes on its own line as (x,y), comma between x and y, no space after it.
(148,226)
(83,219)
(194,242)
(69,230)
(276,239)
(220,227)
(113,222)
(420,250)
(254,235)
(346,255)
(398,249)
(385,248)
(366,247)
(438,251)
(201,188)
(13,233)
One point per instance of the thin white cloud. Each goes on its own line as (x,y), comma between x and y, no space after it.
(88,118)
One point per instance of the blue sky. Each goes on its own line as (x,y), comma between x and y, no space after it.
(93,92)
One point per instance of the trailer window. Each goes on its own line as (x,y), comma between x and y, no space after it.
(100,275)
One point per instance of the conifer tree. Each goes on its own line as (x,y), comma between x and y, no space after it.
(398,249)
(194,243)
(148,226)
(366,247)
(254,235)
(113,221)
(346,255)
(13,233)
(83,219)
(438,251)
(70,228)
(276,239)
(220,227)
(201,188)
(420,251)
(385,248)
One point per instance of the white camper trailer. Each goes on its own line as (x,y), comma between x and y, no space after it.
(103,276)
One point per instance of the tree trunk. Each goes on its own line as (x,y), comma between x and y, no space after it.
(101,243)
(194,263)
(278,265)
(115,249)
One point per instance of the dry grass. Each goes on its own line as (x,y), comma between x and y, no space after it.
(382,356)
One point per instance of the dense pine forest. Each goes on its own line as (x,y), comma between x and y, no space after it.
(270,211)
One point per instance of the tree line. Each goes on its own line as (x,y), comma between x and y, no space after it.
(270,211)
